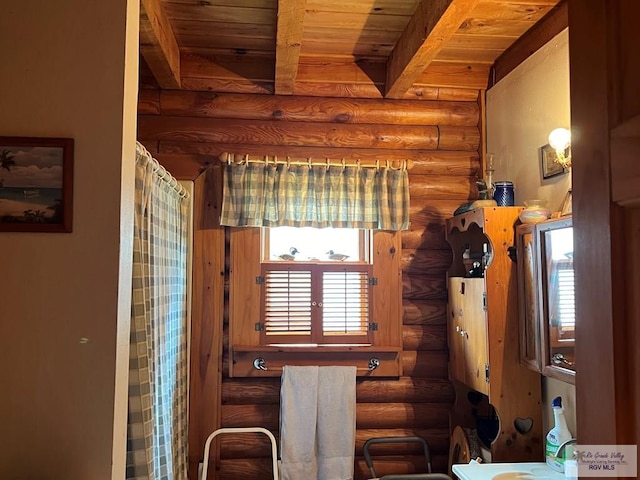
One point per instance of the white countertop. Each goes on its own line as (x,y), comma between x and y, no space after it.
(506,471)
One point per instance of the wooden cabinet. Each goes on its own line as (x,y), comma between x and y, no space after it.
(468,344)
(483,333)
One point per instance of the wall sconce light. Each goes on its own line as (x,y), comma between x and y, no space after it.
(560,141)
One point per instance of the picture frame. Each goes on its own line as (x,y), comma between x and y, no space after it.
(549,162)
(36,184)
(567,204)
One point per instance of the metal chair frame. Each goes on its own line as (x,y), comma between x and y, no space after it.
(207,446)
(407,476)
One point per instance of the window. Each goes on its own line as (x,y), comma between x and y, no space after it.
(565,316)
(318,290)
(294,302)
(316,244)
(562,309)
(315,304)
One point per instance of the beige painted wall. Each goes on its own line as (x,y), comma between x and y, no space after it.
(69,68)
(521,111)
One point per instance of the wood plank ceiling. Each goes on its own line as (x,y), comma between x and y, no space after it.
(340,48)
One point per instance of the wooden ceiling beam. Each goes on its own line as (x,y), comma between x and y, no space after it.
(432,25)
(158,44)
(288,43)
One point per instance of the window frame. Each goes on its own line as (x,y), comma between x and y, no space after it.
(245,268)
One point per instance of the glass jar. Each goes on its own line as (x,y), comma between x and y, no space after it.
(503,193)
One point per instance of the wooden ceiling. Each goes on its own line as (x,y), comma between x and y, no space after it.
(339,48)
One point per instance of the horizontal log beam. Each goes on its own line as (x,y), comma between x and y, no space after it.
(426,364)
(424,287)
(300,134)
(458,138)
(146,80)
(184,167)
(250,445)
(260,468)
(424,337)
(187,166)
(148,101)
(427,229)
(418,92)
(437,438)
(424,312)
(442,187)
(238,416)
(318,110)
(436,212)
(358,90)
(450,163)
(152,146)
(266,391)
(425,262)
(368,415)
(400,464)
(433,237)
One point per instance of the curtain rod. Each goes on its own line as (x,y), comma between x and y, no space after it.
(163,173)
(226,157)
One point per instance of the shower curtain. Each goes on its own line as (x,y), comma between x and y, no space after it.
(157,428)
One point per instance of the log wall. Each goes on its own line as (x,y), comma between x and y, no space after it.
(186,131)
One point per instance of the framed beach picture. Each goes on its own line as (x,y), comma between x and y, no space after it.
(36,184)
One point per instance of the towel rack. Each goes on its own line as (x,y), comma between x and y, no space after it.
(259,363)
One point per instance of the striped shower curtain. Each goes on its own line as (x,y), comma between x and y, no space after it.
(157,429)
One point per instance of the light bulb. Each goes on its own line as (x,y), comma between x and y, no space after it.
(560,139)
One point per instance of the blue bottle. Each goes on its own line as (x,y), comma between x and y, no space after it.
(503,194)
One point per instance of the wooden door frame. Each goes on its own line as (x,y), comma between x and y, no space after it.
(605,409)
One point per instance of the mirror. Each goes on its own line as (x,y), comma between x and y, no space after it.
(558,299)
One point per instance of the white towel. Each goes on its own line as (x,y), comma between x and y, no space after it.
(298,414)
(317,423)
(336,425)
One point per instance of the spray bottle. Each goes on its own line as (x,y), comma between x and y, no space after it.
(556,437)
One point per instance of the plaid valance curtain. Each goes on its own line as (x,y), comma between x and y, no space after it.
(259,194)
